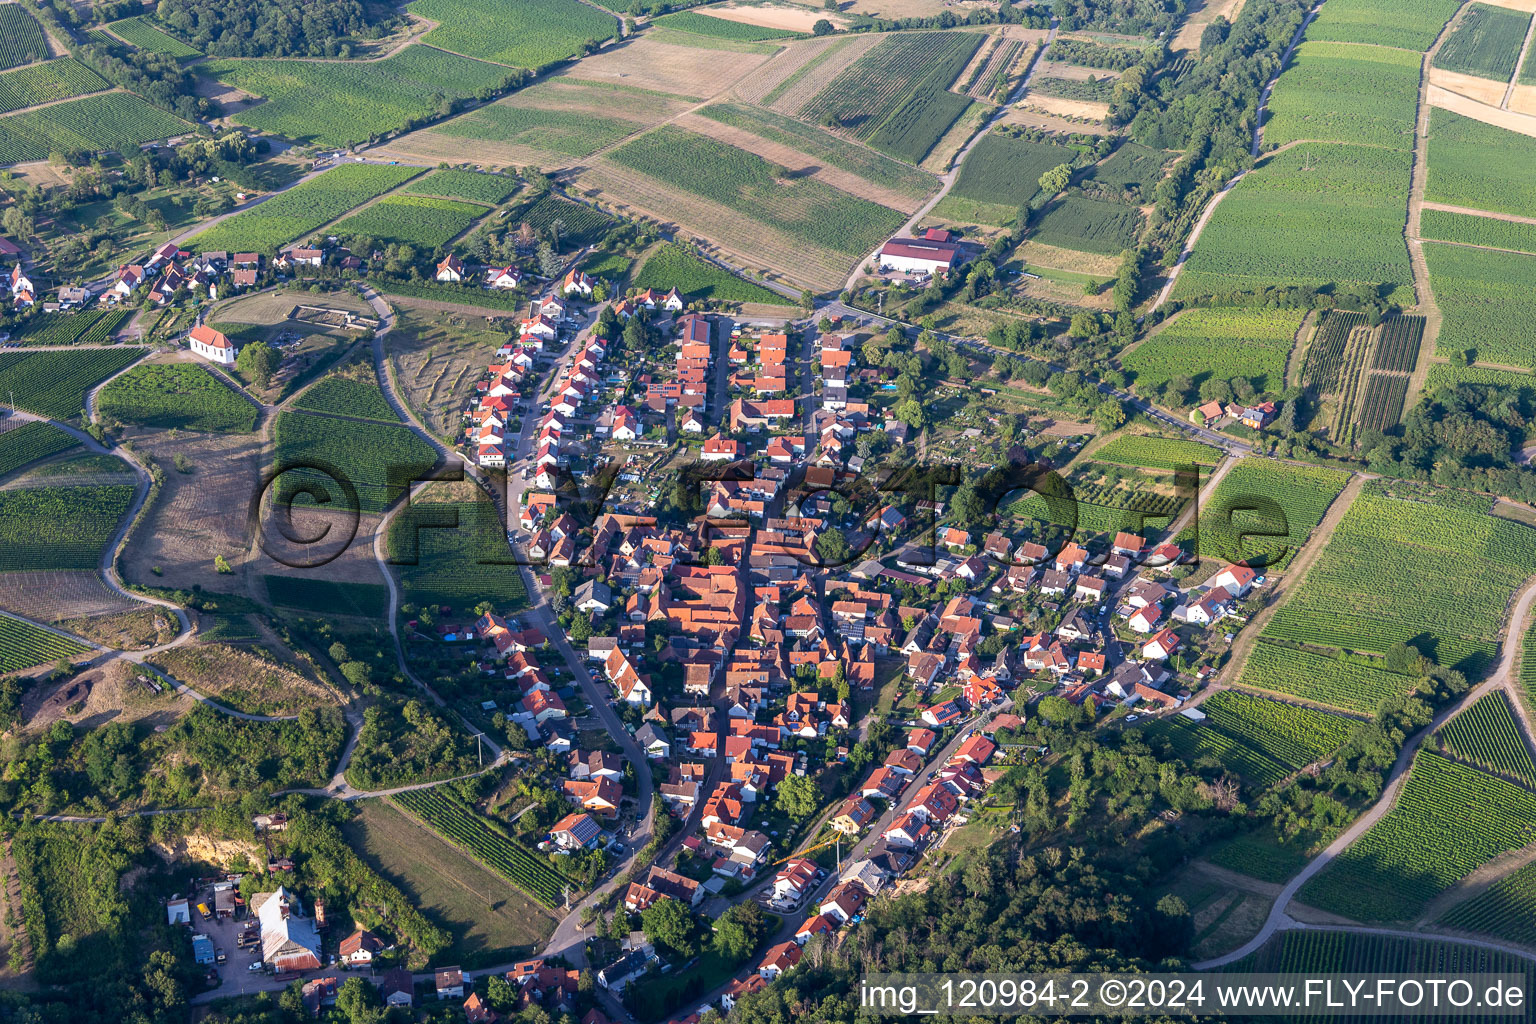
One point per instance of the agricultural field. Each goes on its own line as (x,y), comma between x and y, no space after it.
(370,455)
(23,645)
(1157,452)
(1410,25)
(565,133)
(1260,739)
(1479,166)
(1089,225)
(1444,226)
(1485,735)
(145,36)
(458,567)
(43,83)
(1335,92)
(1323,370)
(1132,166)
(802,208)
(1313,951)
(54,384)
(363,99)
(92,327)
(471,186)
(327,597)
(114,120)
(302,209)
(177,396)
(675,265)
(422,221)
(1488,300)
(1004,172)
(1381,401)
(1104,503)
(1486,43)
(476,836)
(21,37)
(26,444)
(1321,679)
(1445,375)
(896,96)
(1505,910)
(348,395)
(1395,571)
(580,224)
(721,28)
(66,527)
(490,921)
(1220,343)
(530,34)
(820,144)
(1232,529)
(1425,843)
(1313,215)
(1398,349)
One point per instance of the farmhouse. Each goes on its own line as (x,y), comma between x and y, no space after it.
(288,942)
(212,345)
(919,255)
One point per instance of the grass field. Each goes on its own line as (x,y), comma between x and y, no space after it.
(1263,510)
(54,384)
(23,645)
(1395,571)
(115,121)
(59,527)
(422,221)
(1410,25)
(457,566)
(379,459)
(247,678)
(1157,452)
(363,99)
(1220,343)
(46,82)
(303,208)
(366,600)
(1089,225)
(468,185)
(490,921)
(1005,171)
(1488,300)
(21,37)
(1477,165)
(802,208)
(674,265)
(1486,43)
(1335,92)
(26,444)
(529,34)
(180,396)
(1489,231)
(1131,166)
(1316,215)
(1322,679)
(145,36)
(1425,843)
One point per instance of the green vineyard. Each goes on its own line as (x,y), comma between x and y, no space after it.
(54,384)
(1263,511)
(1157,452)
(1325,356)
(1261,739)
(1504,910)
(475,835)
(179,396)
(1398,349)
(23,645)
(29,442)
(1348,685)
(1486,735)
(344,396)
(59,527)
(1381,404)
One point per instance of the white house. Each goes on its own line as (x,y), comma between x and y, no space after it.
(918,255)
(503,278)
(1238,579)
(673,302)
(212,345)
(450,269)
(577,283)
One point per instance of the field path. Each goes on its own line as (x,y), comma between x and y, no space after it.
(1514,79)
(1422,289)
(1500,678)
(1513,218)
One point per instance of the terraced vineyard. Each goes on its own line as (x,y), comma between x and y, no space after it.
(475,836)
(59,527)
(21,37)
(177,396)
(23,645)
(1395,571)
(300,210)
(1486,735)
(1505,910)
(1240,519)
(54,384)
(1216,343)
(1157,452)
(44,83)
(110,121)
(1448,819)
(23,445)
(1320,678)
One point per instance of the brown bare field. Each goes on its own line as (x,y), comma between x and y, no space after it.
(1059,107)
(1483,90)
(272,308)
(1058,258)
(436,357)
(1036,119)
(352,564)
(1512,120)
(646,63)
(1523,100)
(818,77)
(766,76)
(1528,6)
(804,166)
(105,694)
(748,242)
(911,8)
(197,515)
(57,595)
(1075,72)
(247,678)
(791,19)
(1201,14)
(133,630)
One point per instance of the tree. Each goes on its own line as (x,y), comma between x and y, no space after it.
(549,260)
(221,565)
(669,924)
(357,673)
(1110,415)
(1056,710)
(832,548)
(798,797)
(823,27)
(1056,179)
(740,929)
(359,1002)
(257,362)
